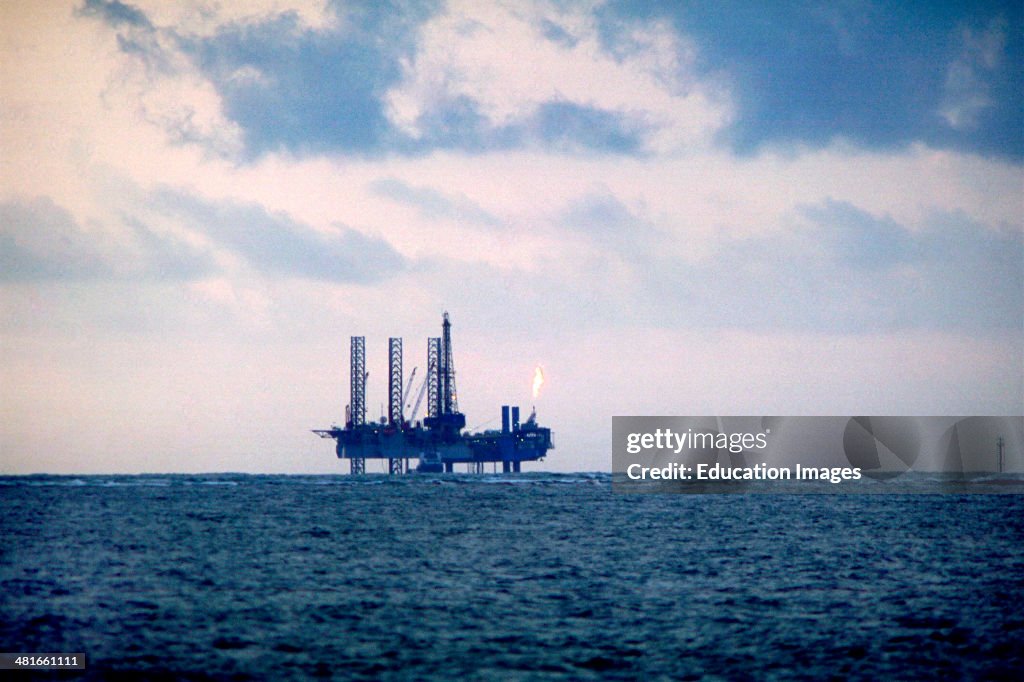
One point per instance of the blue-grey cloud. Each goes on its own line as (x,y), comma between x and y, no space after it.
(115,13)
(972,274)
(841,269)
(599,213)
(859,239)
(573,126)
(558,34)
(316,91)
(948,74)
(968,86)
(290,87)
(835,268)
(274,243)
(164,257)
(433,204)
(307,91)
(40,240)
(558,125)
(878,75)
(609,224)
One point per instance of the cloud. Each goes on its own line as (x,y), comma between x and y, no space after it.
(833,269)
(309,91)
(858,239)
(972,275)
(967,92)
(619,77)
(827,267)
(570,126)
(432,204)
(297,90)
(599,212)
(115,13)
(839,268)
(40,241)
(809,73)
(614,229)
(201,17)
(271,77)
(522,78)
(159,82)
(274,243)
(439,80)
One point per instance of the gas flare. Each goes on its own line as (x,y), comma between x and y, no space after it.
(538,380)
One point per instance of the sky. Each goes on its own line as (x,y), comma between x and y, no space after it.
(707,208)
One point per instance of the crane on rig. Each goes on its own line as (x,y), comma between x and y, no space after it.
(408,384)
(419,400)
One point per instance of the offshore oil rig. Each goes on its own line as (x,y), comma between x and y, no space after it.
(438,442)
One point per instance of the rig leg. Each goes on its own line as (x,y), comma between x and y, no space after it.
(506,467)
(448,467)
(358,466)
(515,466)
(395,467)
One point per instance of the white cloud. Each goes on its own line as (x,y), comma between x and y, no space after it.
(967,91)
(181,103)
(206,17)
(497,56)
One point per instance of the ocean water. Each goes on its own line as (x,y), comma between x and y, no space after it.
(532,576)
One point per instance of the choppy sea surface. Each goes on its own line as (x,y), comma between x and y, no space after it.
(531,576)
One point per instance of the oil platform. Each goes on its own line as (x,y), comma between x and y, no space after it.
(438,442)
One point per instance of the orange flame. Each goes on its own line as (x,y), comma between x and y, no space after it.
(538,380)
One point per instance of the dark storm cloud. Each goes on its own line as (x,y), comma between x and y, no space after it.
(276,244)
(881,75)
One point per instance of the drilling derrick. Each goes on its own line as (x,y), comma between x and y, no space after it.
(449,396)
(395,418)
(433,384)
(357,376)
(357,395)
(395,383)
(448,421)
